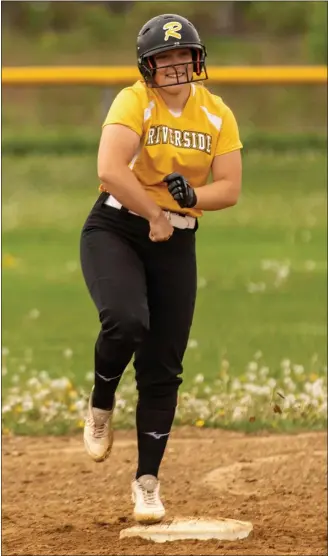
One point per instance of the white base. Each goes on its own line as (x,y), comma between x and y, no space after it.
(199,529)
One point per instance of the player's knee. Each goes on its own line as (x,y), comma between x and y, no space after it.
(124,325)
(160,395)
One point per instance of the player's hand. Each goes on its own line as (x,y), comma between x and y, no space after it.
(160,228)
(180,190)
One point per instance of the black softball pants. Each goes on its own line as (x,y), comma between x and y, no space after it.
(145,296)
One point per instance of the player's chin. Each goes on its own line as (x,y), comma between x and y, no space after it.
(174,86)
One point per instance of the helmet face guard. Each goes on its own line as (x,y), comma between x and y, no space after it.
(165,33)
(148,68)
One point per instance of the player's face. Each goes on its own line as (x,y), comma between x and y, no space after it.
(170,75)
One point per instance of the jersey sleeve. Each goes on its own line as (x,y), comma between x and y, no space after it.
(126,109)
(228,140)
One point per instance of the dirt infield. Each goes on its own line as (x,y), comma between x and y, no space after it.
(56,501)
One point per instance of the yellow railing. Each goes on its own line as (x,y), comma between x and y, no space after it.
(124,75)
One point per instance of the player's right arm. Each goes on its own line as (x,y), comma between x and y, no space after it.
(119,143)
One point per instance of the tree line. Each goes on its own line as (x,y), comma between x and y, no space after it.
(306,20)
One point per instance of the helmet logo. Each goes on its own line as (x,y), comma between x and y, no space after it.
(171,30)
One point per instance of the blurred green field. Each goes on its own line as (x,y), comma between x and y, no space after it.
(261,304)
(261,266)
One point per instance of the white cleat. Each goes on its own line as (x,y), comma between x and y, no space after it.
(145,495)
(98,432)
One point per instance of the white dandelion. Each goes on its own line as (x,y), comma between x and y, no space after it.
(67,353)
(192,344)
(34,314)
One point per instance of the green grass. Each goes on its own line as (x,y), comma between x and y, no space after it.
(261,265)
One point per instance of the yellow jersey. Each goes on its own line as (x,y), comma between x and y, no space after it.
(185,142)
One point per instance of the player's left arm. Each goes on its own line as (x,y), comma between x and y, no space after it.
(226,169)
(225,189)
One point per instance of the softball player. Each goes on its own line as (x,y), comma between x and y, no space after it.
(161,140)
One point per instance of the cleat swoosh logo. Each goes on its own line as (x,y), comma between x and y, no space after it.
(157,435)
(107,379)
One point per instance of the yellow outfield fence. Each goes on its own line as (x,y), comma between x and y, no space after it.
(125,75)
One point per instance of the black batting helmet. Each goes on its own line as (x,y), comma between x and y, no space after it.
(166,32)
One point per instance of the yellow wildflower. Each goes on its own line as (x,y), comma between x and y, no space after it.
(9,261)
(200,423)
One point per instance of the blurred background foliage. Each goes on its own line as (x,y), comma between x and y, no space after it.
(104,33)
(296,31)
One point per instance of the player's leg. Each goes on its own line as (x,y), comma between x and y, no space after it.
(116,282)
(171,282)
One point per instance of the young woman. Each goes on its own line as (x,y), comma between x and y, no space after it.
(161,140)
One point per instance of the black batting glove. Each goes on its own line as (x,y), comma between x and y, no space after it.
(180,190)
